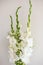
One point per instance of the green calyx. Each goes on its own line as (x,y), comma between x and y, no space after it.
(19,62)
(19,51)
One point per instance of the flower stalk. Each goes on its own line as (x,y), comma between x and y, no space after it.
(20,48)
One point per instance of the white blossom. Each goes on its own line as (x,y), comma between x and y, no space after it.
(12,40)
(29,41)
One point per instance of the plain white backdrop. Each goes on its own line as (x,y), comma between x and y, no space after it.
(8,7)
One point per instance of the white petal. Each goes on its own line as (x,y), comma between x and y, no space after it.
(25,59)
(29,41)
(8,37)
(11,60)
(12,40)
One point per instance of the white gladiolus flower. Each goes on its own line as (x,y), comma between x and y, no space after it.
(11,56)
(27,54)
(25,59)
(29,41)
(27,51)
(11,39)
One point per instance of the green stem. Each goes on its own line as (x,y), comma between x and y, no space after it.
(12,29)
(17,26)
(17,21)
(29,15)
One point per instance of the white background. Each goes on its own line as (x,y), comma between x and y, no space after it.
(8,7)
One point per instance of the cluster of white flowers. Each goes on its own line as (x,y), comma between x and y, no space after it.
(21,44)
(26,46)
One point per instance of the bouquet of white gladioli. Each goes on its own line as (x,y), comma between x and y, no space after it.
(21,44)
